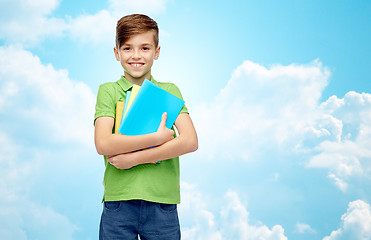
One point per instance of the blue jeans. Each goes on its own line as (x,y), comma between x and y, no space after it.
(127,219)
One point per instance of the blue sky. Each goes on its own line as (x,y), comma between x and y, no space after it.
(279,93)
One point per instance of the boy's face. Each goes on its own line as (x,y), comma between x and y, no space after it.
(137,55)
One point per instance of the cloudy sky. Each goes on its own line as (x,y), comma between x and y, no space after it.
(280,94)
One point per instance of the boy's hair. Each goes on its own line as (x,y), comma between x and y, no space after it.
(134,24)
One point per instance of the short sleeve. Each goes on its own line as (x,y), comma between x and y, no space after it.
(175,91)
(105,106)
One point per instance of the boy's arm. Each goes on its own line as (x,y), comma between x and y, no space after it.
(107,143)
(186,142)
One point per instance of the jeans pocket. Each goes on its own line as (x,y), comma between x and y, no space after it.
(112,205)
(168,207)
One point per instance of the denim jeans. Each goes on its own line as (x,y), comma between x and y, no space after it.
(125,220)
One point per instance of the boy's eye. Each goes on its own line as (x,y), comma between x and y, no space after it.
(126,48)
(146,48)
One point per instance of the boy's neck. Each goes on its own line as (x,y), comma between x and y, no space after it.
(136,81)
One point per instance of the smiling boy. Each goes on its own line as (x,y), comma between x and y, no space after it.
(140,198)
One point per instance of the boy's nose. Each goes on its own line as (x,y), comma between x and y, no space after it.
(136,55)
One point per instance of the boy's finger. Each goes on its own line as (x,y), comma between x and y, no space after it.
(163,120)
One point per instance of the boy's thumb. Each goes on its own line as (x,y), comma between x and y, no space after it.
(163,120)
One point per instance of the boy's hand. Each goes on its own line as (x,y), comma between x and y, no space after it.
(123,161)
(163,132)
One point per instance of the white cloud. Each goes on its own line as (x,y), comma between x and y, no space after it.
(236,221)
(101,27)
(54,106)
(261,107)
(20,218)
(341,184)
(46,137)
(356,223)
(97,28)
(232,222)
(348,155)
(304,228)
(277,110)
(29,22)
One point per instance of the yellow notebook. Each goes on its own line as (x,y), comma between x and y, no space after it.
(124,106)
(119,111)
(133,94)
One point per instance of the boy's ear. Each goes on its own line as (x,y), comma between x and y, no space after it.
(117,54)
(157,53)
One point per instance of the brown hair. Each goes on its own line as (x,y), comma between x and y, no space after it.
(134,24)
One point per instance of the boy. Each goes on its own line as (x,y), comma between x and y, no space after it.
(139,197)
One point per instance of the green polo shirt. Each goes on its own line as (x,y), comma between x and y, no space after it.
(150,182)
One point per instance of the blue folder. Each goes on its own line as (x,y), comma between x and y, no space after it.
(145,113)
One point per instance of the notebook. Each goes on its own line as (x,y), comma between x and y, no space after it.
(134,92)
(119,111)
(144,115)
(120,108)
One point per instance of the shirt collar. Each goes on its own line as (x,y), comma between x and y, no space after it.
(126,85)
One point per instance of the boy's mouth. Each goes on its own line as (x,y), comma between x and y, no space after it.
(136,65)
